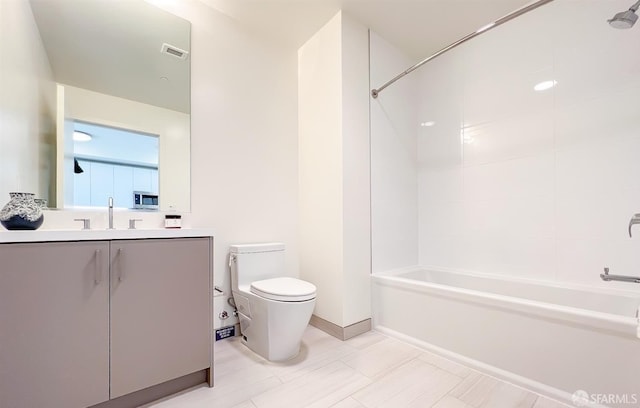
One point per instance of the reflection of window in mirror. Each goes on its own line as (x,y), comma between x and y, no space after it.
(113,162)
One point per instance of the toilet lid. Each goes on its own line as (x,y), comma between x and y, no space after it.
(284,289)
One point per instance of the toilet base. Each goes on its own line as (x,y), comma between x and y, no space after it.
(275,329)
(274,358)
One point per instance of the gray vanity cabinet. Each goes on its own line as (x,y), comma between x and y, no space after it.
(159,311)
(54,324)
(84,322)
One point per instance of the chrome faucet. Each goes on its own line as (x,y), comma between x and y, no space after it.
(110,212)
(634,220)
(132,222)
(86,222)
(622,278)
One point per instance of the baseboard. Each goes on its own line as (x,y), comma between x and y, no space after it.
(339,332)
(139,398)
(492,371)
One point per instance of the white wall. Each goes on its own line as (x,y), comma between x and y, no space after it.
(243,136)
(27,105)
(172,128)
(394,167)
(356,171)
(532,184)
(320,155)
(334,169)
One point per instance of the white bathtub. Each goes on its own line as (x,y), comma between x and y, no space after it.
(554,340)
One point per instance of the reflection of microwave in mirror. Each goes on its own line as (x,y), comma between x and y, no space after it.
(145,200)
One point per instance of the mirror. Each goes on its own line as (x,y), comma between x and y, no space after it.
(123,67)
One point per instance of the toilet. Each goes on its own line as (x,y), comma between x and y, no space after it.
(274,310)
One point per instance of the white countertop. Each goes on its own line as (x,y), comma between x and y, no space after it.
(95,235)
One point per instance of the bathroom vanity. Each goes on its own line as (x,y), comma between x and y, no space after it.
(108,318)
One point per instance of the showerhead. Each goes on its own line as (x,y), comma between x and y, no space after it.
(625,19)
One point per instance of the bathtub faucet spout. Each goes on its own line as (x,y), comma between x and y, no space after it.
(622,278)
(634,220)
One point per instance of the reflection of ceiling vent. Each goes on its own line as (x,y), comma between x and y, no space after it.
(174,51)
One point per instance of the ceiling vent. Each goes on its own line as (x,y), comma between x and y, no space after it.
(174,51)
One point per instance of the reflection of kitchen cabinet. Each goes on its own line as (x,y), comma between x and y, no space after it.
(85,322)
(101,183)
(154,181)
(123,186)
(54,324)
(82,185)
(142,180)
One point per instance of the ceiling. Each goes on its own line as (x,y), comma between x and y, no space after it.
(114,47)
(127,62)
(418,27)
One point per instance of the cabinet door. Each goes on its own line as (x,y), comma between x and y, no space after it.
(54,324)
(160,311)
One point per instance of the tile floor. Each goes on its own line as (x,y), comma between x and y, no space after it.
(371,370)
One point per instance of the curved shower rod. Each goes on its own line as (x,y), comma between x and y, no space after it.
(510,16)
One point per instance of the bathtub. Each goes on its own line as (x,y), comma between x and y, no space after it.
(554,340)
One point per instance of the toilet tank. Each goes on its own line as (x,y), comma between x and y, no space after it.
(256,262)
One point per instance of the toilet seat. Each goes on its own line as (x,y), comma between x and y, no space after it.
(284,289)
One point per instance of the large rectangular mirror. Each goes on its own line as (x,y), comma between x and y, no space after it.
(117,75)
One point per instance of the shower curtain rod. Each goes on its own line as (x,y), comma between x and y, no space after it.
(510,16)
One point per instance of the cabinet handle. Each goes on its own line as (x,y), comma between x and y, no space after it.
(98,270)
(119,255)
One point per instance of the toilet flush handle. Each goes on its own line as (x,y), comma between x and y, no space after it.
(232,258)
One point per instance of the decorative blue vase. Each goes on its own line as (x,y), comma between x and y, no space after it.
(21,213)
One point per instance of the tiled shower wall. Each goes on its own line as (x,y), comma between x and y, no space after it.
(533,184)
(394,177)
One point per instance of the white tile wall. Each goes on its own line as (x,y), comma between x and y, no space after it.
(394,193)
(525,183)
